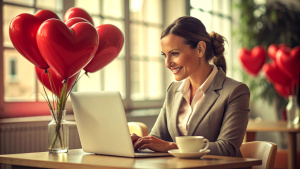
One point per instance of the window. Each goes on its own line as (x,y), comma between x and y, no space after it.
(216,16)
(137,72)
(13,76)
(146,62)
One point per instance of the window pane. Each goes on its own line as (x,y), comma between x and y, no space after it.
(154,9)
(202,4)
(204,17)
(21,86)
(137,80)
(10,12)
(22,2)
(155,80)
(137,39)
(217,6)
(226,7)
(114,8)
(228,46)
(97,21)
(90,82)
(92,7)
(114,76)
(217,24)
(53,5)
(137,10)
(154,48)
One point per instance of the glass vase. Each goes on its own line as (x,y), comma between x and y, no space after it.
(58,133)
(293,113)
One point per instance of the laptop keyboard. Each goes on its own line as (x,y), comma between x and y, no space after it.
(144,151)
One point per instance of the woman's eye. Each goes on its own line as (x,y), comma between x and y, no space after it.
(174,54)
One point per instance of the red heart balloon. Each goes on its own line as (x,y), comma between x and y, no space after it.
(253,60)
(274,48)
(288,61)
(272,51)
(57,84)
(275,75)
(111,41)
(23,29)
(77,12)
(283,91)
(67,50)
(75,20)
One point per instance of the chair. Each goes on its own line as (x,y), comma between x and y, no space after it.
(265,151)
(138,128)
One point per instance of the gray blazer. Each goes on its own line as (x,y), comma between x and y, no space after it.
(222,116)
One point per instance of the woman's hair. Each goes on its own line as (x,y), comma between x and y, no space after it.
(193,31)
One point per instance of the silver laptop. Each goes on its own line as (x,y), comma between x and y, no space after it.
(102,124)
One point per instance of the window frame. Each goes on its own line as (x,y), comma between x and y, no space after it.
(229,55)
(38,108)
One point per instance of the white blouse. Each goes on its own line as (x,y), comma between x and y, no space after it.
(186,109)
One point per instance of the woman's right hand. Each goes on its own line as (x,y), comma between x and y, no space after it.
(134,138)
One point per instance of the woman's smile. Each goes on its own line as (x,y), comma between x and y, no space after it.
(176,70)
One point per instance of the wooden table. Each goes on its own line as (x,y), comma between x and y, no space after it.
(276,126)
(77,159)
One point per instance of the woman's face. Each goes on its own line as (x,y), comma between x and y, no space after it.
(180,58)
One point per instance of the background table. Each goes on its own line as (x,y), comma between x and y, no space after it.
(277,126)
(77,159)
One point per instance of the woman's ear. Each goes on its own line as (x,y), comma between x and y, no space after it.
(201,48)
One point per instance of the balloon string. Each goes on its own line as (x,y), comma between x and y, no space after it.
(53,89)
(47,98)
(77,79)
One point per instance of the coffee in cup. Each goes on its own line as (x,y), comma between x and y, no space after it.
(191,144)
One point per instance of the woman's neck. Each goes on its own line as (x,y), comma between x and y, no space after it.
(198,78)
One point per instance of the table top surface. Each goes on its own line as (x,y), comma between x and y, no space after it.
(281,126)
(78,159)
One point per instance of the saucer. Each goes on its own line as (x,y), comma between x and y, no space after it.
(177,153)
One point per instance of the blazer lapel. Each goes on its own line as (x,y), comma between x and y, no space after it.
(208,101)
(175,108)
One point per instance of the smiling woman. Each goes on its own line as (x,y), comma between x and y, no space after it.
(203,101)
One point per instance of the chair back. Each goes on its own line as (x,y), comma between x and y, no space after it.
(265,151)
(138,128)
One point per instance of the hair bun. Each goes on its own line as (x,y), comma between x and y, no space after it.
(217,44)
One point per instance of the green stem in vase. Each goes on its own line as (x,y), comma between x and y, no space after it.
(61,102)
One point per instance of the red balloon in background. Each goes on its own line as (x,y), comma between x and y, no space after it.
(57,84)
(289,62)
(75,20)
(23,29)
(111,41)
(272,51)
(77,12)
(274,48)
(283,91)
(67,50)
(274,74)
(253,60)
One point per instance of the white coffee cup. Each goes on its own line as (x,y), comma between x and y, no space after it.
(191,144)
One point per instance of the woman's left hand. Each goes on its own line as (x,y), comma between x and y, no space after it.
(154,144)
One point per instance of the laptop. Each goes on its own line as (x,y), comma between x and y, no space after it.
(102,124)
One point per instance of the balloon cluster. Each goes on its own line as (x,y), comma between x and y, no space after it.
(61,49)
(283,71)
